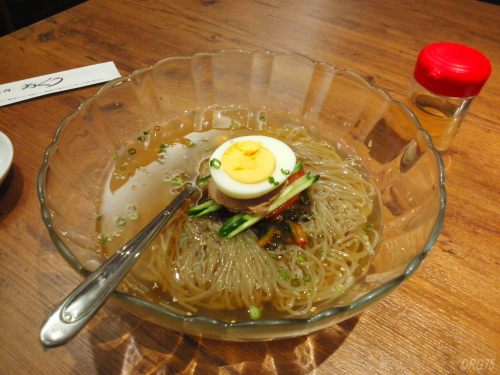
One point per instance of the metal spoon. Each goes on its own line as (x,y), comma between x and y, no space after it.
(83,303)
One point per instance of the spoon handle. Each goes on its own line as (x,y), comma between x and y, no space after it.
(74,312)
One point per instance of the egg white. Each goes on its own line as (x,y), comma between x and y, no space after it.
(284,157)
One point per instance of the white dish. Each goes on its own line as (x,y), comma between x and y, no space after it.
(6,156)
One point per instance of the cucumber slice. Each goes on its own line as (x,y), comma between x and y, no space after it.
(240,222)
(204,209)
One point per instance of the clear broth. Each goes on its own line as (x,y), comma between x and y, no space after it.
(150,170)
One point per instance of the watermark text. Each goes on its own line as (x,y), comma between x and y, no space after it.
(477,364)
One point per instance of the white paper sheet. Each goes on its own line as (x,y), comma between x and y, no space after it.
(48,84)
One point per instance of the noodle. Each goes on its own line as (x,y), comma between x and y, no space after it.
(200,269)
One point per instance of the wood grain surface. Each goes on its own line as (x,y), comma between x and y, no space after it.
(444,320)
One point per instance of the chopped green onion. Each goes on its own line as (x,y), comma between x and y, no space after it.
(321,252)
(307,278)
(262,118)
(342,177)
(215,163)
(286,172)
(120,222)
(106,240)
(295,282)
(255,313)
(300,259)
(141,138)
(272,255)
(122,168)
(157,128)
(115,157)
(340,288)
(284,274)
(99,218)
(272,181)
(163,146)
(134,215)
(367,227)
(174,180)
(147,132)
(132,151)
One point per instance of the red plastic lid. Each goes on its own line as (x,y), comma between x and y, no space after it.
(451,69)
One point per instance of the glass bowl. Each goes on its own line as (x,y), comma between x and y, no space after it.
(346,110)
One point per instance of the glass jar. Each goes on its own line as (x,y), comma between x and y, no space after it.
(447,78)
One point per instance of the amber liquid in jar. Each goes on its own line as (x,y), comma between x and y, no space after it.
(438,120)
(440,116)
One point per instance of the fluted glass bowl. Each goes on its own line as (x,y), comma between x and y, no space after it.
(346,111)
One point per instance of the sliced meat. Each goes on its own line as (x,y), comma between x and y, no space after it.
(257,206)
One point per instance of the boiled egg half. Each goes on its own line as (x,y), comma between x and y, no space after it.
(251,166)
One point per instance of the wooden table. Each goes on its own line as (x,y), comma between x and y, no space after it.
(444,320)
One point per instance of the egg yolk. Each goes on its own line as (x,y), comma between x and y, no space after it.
(248,162)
